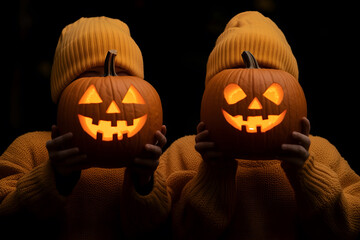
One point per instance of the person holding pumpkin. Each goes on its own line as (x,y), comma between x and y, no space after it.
(303,188)
(47,180)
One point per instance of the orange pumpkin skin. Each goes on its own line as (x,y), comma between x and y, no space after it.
(118,147)
(245,141)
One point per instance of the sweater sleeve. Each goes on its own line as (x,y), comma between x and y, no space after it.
(26,179)
(177,166)
(144,214)
(207,203)
(328,189)
(204,197)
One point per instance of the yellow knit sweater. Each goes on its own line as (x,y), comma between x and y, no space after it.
(239,200)
(103,204)
(258,199)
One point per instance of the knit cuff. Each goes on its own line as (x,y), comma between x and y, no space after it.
(36,191)
(144,213)
(319,184)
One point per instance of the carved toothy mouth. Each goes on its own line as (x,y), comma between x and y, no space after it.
(108,131)
(254,122)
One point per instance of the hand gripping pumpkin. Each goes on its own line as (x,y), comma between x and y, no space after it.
(250,112)
(111,117)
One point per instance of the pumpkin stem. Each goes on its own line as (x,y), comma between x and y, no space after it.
(109,66)
(249,60)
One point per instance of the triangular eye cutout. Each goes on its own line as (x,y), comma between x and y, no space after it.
(133,96)
(90,96)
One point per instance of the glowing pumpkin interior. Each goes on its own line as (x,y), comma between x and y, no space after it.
(233,93)
(109,132)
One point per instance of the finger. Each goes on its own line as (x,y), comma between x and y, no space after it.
(163,130)
(59,142)
(160,138)
(78,163)
(75,160)
(292,161)
(63,154)
(202,136)
(305,126)
(200,127)
(295,151)
(203,147)
(73,164)
(212,155)
(54,131)
(148,164)
(302,139)
(289,156)
(153,151)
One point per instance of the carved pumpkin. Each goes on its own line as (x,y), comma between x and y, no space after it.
(111,117)
(250,112)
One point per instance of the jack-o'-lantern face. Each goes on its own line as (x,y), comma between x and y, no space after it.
(233,94)
(111,117)
(105,127)
(250,112)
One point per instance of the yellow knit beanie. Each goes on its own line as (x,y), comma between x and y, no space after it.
(251,31)
(84,44)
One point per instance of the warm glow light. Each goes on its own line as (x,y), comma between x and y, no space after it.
(104,127)
(274,93)
(133,96)
(255,104)
(108,131)
(253,122)
(90,96)
(113,108)
(233,93)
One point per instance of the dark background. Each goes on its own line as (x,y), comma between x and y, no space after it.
(176,38)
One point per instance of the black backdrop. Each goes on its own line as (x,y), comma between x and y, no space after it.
(176,38)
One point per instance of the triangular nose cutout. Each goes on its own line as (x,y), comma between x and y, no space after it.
(113,108)
(255,104)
